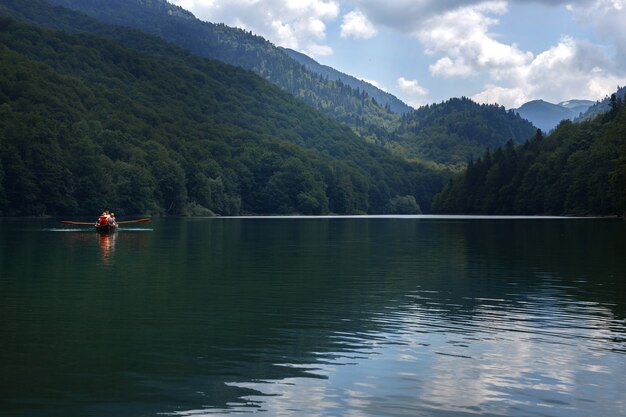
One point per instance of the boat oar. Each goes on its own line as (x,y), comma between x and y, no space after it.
(134,221)
(92,223)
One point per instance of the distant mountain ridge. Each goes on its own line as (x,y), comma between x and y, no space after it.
(383,98)
(547,116)
(576,106)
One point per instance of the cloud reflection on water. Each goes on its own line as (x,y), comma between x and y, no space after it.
(519,357)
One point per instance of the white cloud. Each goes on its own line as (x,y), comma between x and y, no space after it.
(296,24)
(570,69)
(356,25)
(447,68)
(411,87)
(461,39)
(412,92)
(607,17)
(513,97)
(462,36)
(373,82)
(315,49)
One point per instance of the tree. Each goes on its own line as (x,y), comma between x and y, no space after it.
(404,205)
(577,170)
(161,130)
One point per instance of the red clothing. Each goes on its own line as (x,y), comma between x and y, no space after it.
(103,220)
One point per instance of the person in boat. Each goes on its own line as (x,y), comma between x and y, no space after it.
(112,221)
(103,220)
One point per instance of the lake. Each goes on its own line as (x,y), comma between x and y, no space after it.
(371,316)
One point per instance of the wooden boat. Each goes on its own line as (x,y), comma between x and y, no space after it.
(106,228)
(110,227)
(105,223)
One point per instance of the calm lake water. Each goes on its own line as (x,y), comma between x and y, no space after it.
(314,317)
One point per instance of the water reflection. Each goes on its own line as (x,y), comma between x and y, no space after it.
(78,240)
(545,354)
(364,317)
(106,242)
(509,320)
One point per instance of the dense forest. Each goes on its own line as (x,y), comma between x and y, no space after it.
(87,123)
(579,169)
(236,47)
(450,133)
(457,130)
(96,116)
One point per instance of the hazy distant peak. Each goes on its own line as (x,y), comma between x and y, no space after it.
(576,104)
(546,115)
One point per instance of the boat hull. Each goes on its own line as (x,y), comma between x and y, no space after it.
(106,228)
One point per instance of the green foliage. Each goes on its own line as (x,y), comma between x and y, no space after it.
(87,123)
(404,205)
(580,169)
(458,130)
(604,106)
(449,133)
(238,47)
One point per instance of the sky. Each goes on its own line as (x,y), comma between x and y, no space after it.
(427,51)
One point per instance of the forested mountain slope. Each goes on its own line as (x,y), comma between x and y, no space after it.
(603,105)
(579,169)
(241,48)
(87,123)
(387,100)
(371,119)
(458,130)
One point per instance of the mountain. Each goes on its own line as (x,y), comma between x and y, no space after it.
(120,119)
(457,130)
(383,98)
(577,106)
(603,105)
(336,99)
(354,107)
(546,115)
(579,169)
